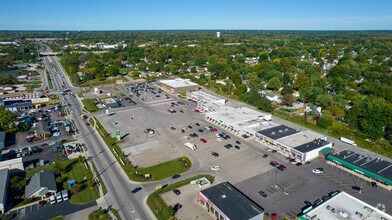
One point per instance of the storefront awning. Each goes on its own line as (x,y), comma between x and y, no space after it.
(201,198)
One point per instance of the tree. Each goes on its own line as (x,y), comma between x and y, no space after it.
(57,165)
(76,188)
(301,81)
(288,99)
(287,90)
(263,56)
(274,83)
(323,122)
(336,111)
(113,71)
(324,100)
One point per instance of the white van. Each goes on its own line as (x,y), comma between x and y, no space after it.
(52,200)
(65,194)
(58,197)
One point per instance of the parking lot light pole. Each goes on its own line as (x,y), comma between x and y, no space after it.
(276,179)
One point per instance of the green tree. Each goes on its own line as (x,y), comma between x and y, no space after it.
(274,83)
(287,90)
(324,100)
(76,188)
(288,99)
(323,122)
(301,81)
(57,165)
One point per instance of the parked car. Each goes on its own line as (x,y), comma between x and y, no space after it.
(203,140)
(177,192)
(282,166)
(374,184)
(219,139)
(197,124)
(237,142)
(190,127)
(200,130)
(298,164)
(317,171)
(215,168)
(177,206)
(173,128)
(263,194)
(215,154)
(284,192)
(265,155)
(182,130)
(237,147)
(186,138)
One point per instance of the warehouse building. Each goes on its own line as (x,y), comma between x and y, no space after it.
(4,179)
(341,205)
(374,168)
(177,85)
(224,201)
(302,145)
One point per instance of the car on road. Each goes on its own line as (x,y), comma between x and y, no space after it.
(214,129)
(356,188)
(265,155)
(177,192)
(176,176)
(137,189)
(263,194)
(237,147)
(173,128)
(203,140)
(279,168)
(215,168)
(284,192)
(215,154)
(237,142)
(307,162)
(181,111)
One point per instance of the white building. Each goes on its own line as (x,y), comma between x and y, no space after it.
(218,34)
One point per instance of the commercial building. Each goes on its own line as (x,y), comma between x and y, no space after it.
(302,145)
(42,129)
(2,139)
(374,168)
(42,184)
(14,165)
(110,103)
(177,85)
(341,205)
(4,180)
(224,201)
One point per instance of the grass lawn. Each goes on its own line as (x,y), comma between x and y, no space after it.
(100,214)
(115,213)
(80,94)
(57,218)
(162,170)
(73,169)
(159,207)
(89,104)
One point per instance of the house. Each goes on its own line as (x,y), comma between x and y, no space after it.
(297,105)
(274,98)
(42,129)
(313,109)
(4,179)
(296,94)
(42,184)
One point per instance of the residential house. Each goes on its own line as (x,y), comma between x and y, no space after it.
(4,180)
(297,105)
(42,129)
(313,109)
(42,184)
(273,98)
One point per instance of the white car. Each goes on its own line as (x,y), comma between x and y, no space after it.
(56,134)
(294,162)
(269,149)
(186,138)
(215,168)
(217,135)
(219,139)
(52,143)
(318,170)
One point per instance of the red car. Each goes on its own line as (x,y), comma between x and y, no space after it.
(298,164)
(41,203)
(203,140)
(197,110)
(291,160)
(282,166)
(274,162)
(214,129)
(167,97)
(228,137)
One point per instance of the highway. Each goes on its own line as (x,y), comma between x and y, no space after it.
(119,187)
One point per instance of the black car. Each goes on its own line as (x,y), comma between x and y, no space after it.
(182,130)
(274,151)
(237,142)
(307,162)
(374,184)
(265,155)
(176,176)
(173,128)
(181,111)
(177,192)
(229,145)
(280,168)
(200,130)
(195,135)
(190,127)
(237,147)
(308,203)
(136,189)
(272,164)
(356,188)
(197,124)
(177,206)
(215,154)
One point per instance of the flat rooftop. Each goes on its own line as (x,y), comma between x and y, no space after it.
(313,145)
(177,83)
(278,132)
(230,115)
(374,165)
(205,97)
(300,138)
(232,202)
(345,204)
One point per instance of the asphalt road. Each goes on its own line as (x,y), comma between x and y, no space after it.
(117,183)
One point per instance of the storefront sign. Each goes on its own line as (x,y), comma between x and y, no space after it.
(266,139)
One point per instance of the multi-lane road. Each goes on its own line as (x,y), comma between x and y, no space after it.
(117,183)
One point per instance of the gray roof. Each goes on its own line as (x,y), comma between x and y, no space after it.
(304,148)
(42,127)
(43,180)
(14,73)
(3,184)
(278,132)
(232,202)
(375,165)
(2,136)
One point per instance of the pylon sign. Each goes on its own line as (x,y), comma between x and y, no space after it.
(118,136)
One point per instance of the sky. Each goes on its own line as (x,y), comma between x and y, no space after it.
(192,14)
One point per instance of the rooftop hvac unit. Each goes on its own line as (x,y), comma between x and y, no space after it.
(349,152)
(286,129)
(273,133)
(280,131)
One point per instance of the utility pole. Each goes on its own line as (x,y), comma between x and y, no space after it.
(276,179)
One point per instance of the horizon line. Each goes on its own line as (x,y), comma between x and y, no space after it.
(222,30)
